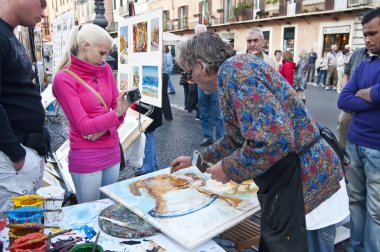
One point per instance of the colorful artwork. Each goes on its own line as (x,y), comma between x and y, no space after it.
(154,35)
(135,76)
(123,85)
(150,81)
(187,200)
(140,37)
(124,45)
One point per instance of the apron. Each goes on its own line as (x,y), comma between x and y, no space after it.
(283,225)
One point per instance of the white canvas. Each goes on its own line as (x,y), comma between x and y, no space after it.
(188,230)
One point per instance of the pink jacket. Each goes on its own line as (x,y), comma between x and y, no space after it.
(84,111)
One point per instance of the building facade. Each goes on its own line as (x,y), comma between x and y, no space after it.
(287,24)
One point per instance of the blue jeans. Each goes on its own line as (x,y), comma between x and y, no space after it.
(364,193)
(87,185)
(149,162)
(321,240)
(323,74)
(209,114)
(171,86)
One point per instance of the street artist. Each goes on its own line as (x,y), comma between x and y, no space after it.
(272,138)
(23,140)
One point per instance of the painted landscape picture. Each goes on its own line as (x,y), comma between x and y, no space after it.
(154,35)
(124,45)
(135,77)
(140,37)
(123,81)
(150,81)
(187,200)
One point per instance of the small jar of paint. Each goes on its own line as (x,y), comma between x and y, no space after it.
(86,247)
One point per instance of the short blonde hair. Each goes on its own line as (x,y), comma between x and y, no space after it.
(303,54)
(93,34)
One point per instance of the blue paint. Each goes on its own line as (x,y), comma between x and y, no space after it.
(89,231)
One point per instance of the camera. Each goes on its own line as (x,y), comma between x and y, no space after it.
(133,95)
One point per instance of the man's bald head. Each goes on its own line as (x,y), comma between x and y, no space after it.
(199,28)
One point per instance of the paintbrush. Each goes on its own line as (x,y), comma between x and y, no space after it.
(43,238)
(30,225)
(33,211)
(96,242)
(48,241)
(37,197)
(119,223)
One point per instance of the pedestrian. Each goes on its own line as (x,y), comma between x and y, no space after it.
(277,59)
(344,118)
(114,54)
(341,59)
(184,82)
(23,141)
(271,138)
(322,70)
(288,67)
(332,73)
(300,75)
(87,92)
(362,97)
(169,69)
(255,45)
(311,59)
(166,108)
(209,110)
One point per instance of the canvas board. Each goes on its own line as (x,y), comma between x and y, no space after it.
(189,230)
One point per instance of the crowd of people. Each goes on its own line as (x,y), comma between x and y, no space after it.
(256,104)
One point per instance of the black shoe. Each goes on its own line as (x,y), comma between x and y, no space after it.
(171,92)
(206,142)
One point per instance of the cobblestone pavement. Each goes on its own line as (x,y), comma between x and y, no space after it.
(182,135)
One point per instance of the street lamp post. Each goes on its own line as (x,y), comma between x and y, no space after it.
(100,19)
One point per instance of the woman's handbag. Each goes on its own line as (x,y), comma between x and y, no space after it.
(122,160)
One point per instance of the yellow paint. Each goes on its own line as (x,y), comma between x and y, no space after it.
(28,200)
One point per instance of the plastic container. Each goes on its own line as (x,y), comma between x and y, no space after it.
(26,200)
(86,247)
(15,233)
(54,192)
(25,214)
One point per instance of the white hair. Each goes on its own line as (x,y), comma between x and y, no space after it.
(255,30)
(199,28)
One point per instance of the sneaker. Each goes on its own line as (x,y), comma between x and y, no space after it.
(171,92)
(327,88)
(315,84)
(206,142)
(322,85)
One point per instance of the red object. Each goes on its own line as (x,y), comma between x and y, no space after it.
(23,243)
(287,70)
(2,224)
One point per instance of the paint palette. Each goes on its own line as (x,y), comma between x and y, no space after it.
(118,221)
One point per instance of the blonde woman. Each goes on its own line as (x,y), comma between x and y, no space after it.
(300,75)
(87,92)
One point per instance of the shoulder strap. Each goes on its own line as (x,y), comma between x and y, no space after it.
(87,86)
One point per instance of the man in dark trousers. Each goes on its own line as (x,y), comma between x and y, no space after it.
(22,135)
(312,57)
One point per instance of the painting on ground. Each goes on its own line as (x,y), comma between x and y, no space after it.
(124,45)
(135,76)
(187,200)
(154,35)
(123,83)
(150,81)
(140,37)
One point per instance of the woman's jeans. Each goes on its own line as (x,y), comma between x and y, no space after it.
(323,74)
(363,190)
(149,162)
(87,185)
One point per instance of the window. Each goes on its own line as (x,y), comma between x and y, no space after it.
(121,3)
(114,4)
(288,41)
(266,41)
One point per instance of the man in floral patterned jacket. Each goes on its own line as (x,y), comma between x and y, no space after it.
(271,138)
